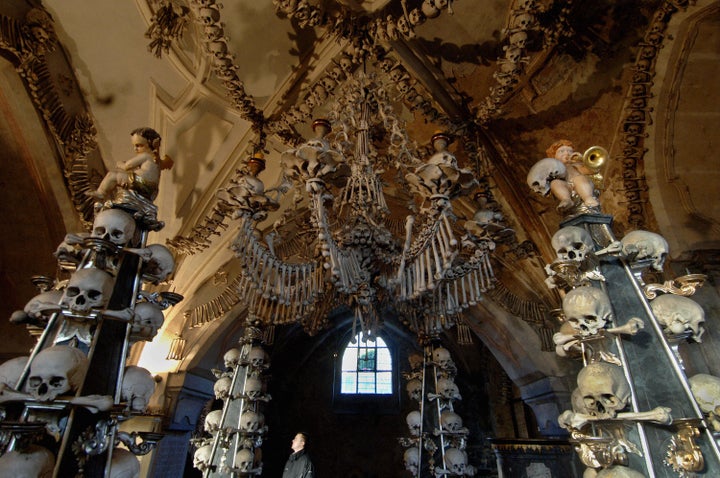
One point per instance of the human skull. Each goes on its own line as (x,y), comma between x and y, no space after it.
(11,370)
(414,389)
(251,421)
(448,389)
(201,458)
(587,310)
(222,388)
(147,320)
(253,388)
(160,265)
(518,39)
(430,9)
(523,21)
(124,464)
(114,225)
(543,172)
(411,459)
(513,54)
(416,17)
(456,461)
(244,459)
(678,314)
(706,390)
(258,357)
(619,471)
(451,421)
(414,422)
(212,421)
(604,389)
(231,358)
(87,289)
(138,385)
(638,245)
(56,370)
(32,462)
(416,361)
(572,243)
(441,356)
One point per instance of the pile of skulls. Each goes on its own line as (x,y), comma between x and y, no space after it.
(437,371)
(234,434)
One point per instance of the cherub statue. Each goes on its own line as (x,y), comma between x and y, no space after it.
(577,178)
(141,173)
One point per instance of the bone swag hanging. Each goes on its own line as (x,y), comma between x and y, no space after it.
(359,257)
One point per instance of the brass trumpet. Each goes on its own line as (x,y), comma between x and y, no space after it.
(593,158)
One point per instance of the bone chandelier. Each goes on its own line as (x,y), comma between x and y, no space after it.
(342,242)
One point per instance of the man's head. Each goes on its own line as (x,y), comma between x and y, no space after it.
(299,442)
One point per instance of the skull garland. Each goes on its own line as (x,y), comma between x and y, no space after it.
(137,387)
(56,370)
(88,289)
(114,225)
(587,310)
(640,245)
(34,461)
(604,389)
(678,314)
(147,320)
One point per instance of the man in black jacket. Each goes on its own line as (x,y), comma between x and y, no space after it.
(299,464)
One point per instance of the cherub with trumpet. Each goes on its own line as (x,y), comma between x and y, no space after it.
(578,176)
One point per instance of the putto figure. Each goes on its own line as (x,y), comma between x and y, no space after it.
(141,173)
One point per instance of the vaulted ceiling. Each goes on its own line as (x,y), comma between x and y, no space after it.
(505,78)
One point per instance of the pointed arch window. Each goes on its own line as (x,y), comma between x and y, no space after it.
(366,367)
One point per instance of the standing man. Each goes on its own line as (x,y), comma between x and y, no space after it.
(299,464)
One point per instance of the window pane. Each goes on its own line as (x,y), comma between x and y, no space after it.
(366,360)
(366,382)
(384,362)
(349,360)
(348,383)
(384,382)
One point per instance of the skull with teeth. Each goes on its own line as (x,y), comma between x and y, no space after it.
(258,357)
(604,389)
(456,461)
(114,225)
(443,359)
(201,458)
(587,310)
(572,243)
(678,314)
(253,388)
(448,390)
(56,370)
(87,289)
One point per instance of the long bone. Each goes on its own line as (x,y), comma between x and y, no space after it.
(571,420)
